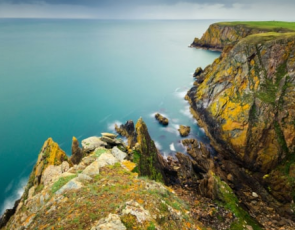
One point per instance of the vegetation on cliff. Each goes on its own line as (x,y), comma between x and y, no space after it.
(245,102)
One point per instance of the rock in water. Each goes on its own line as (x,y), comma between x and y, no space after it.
(184,130)
(127,131)
(151,162)
(77,153)
(198,71)
(163,120)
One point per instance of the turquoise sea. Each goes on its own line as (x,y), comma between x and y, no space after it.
(64,78)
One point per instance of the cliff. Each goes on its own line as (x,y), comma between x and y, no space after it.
(100,191)
(245,102)
(220,35)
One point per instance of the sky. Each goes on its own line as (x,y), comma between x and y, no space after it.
(150,9)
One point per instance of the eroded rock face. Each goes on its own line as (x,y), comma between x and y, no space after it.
(245,102)
(162,120)
(151,162)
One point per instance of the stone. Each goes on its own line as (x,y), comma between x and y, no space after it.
(77,153)
(111,222)
(109,135)
(230,177)
(73,184)
(120,155)
(254,194)
(135,209)
(91,143)
(83,177)
(162,120)
(106,159)
(92,169)
(184,130)
(111,141)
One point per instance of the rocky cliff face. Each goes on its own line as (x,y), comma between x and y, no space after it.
(219,35)
(99,191)
(245,102)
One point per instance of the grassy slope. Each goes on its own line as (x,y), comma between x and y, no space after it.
(264,25)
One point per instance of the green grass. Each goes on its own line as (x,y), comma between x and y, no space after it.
(61,182)
(264,25)
(99,152)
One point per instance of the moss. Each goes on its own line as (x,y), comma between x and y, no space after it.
(151,226)
(230,201)
(99,152)
(280,137)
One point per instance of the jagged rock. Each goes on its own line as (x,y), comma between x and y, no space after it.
(111,222)
(8,213)
(77,153)
(120,155)
(163,120)
(151,163)
(127,131)
(73,184)
(198,71)
(184,130)
(109,135)
(52,172)
(91,143)
(200,154)
(209,187)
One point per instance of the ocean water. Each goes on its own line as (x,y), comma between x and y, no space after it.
(65,78)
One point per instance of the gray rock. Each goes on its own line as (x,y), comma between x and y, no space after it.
(135,209)
(71,185)
(112,222)
(92,143)
(92,169)
(111,141)
(120,155)
(83,177)
(106,159)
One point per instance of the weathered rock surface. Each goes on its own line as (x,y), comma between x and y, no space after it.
(117,153)
(184,130)
(91,143)
(109,135)
(77,153)
(111,222)
(245,103)
(162,120)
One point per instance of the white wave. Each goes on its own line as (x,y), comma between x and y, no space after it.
(9,202)
(170,130)
(172,147)
(181,94)
(202,130)
(158,145)
(186,112)
(176,126)
(176,90)
(111,126)
(105,118)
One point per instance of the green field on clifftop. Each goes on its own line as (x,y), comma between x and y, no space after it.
(264,25)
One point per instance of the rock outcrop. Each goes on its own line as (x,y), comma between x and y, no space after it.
(184,130)
(245,103)
(220,35)
(128,131)
(100,192)
(162,120)
(77,153)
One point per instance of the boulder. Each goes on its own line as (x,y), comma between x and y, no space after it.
(162,120)
(77,153)
(111,141)
(106,159)
(184,130)
(92,169)
(120,155)
(71,185)
(92,143)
